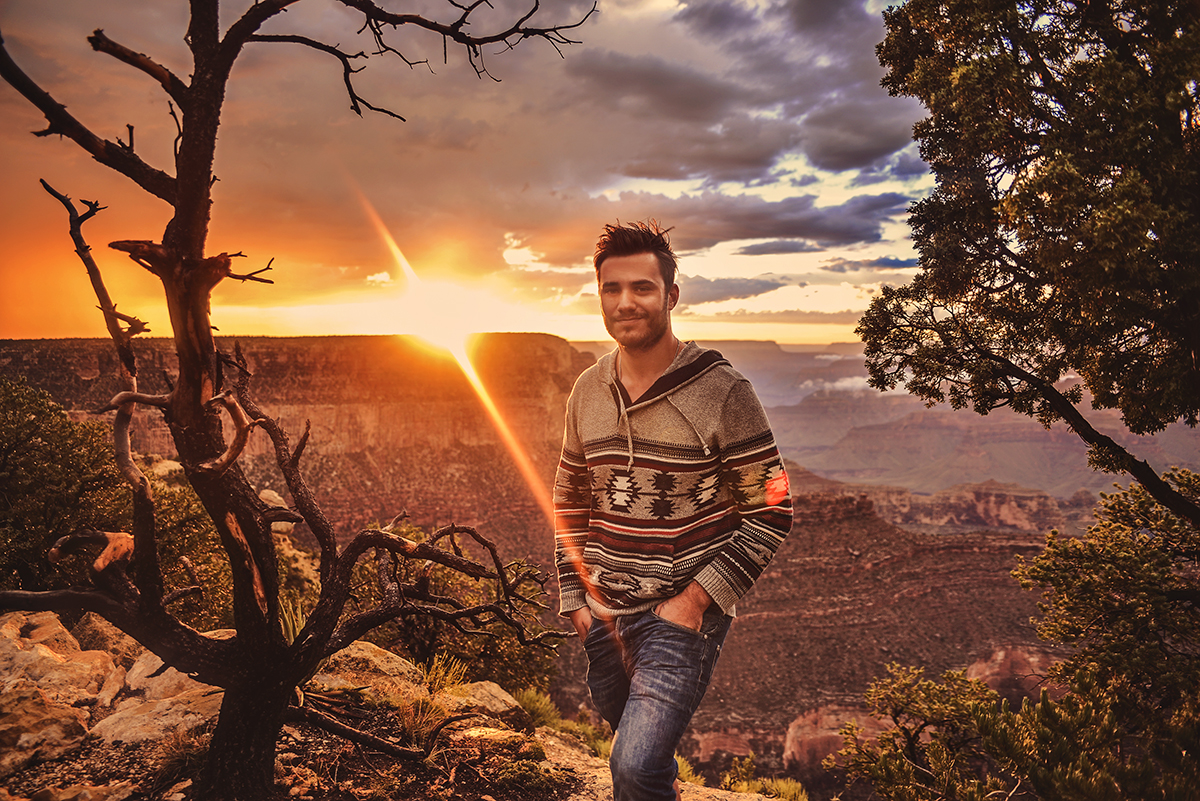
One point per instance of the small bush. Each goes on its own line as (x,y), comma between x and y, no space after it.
(540,707)
(443,672)
(739,776)
(687,773)
(787,789)
(740,779)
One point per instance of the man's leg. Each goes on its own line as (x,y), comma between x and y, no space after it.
(607,680)
(669,667)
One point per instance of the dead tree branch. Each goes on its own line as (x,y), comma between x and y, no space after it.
(289,467)
(110,154)
(299,714)
(196,588)
(242,424)
(356,100)
(122,398)
(145,549)
(170,83)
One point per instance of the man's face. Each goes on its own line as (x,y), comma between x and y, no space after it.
(634,300)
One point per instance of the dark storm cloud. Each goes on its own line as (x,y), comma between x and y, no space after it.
(697,289)
(706,220)
(647,85)
(744,150)
(881,264)
(814,61)
(719,19)
(854,135)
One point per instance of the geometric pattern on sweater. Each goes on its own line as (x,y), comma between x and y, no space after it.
(685,486)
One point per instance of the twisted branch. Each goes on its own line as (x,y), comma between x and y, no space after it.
(243,425)
(289,467)
(110,154)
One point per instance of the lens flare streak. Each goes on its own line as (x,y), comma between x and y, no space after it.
(528,472)
(455,343)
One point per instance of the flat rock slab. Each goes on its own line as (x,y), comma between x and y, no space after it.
(136,722)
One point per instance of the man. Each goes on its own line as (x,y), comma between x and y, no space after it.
(670,499)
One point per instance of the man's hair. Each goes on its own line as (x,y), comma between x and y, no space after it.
(634,238)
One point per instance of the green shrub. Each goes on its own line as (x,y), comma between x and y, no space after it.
(540,707)
(443,672)
(687,773)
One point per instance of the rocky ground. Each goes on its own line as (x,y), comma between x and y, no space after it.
(86,716)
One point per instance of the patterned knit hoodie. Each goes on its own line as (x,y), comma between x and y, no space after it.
(684,485)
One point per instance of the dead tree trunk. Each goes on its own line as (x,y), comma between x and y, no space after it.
(258,669)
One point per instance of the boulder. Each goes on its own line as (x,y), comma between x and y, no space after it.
(34,727)
(378,676)
(39,628)
(37,647)
(94,633)
(486,698)
(116,791)
(139,721)
(154,682)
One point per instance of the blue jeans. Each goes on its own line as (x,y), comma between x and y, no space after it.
(647,675)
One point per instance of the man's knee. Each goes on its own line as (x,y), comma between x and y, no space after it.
(642,774)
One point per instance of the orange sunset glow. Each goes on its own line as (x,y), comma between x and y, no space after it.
(786,222)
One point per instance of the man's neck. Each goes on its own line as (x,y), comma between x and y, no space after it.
(639,368)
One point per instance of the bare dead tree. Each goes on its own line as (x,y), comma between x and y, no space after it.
(258,668)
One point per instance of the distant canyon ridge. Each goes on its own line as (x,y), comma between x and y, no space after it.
(908,523)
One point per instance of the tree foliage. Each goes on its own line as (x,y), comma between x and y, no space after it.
(1062,238)
(1119,718)
(56,476)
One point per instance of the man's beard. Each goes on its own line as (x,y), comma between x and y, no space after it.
(651,334)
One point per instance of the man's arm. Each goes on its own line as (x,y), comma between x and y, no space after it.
(572,513)
(754,470)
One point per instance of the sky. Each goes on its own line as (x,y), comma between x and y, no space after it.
(756,129)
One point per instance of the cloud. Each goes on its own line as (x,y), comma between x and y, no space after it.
(883,263)
(701,114)
(845,317)
(539,284)
(740,149)
(719,19)
(850,135)
(695,289)
(651,86)
(778,246)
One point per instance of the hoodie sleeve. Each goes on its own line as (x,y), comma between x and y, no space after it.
(752,470)
(572,510)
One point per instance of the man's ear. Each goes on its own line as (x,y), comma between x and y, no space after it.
(673,296)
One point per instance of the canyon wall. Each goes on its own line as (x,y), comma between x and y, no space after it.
(395,424)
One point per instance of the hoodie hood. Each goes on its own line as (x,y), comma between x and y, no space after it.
(690,363)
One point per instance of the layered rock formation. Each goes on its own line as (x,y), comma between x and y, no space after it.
(989,505)
(396,426)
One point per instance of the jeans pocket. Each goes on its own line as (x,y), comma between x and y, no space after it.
(674,625)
